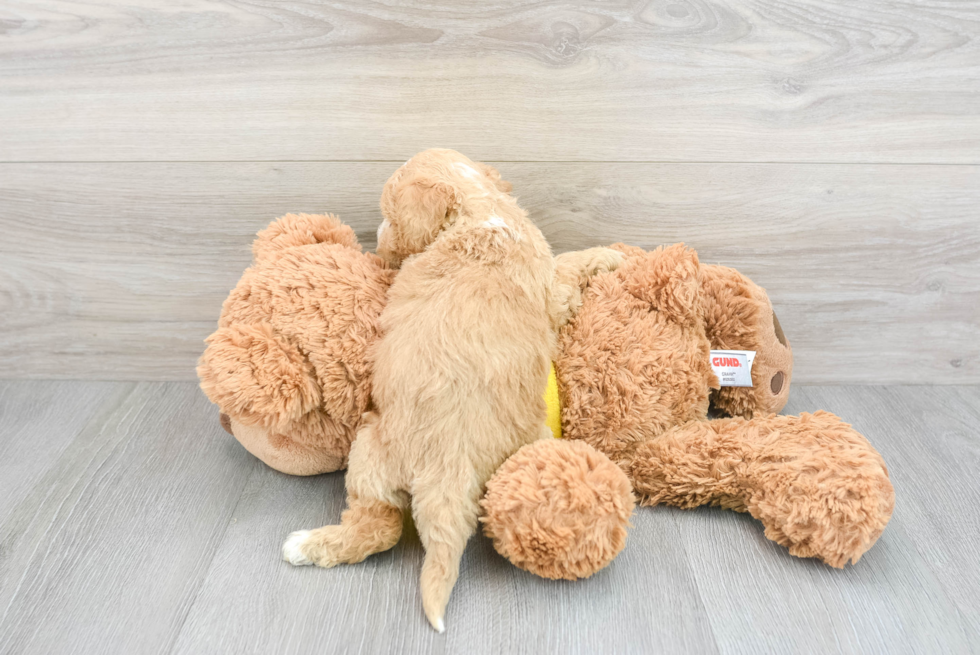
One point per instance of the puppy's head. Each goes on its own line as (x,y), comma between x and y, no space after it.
(425,196)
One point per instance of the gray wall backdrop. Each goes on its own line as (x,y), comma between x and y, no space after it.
(829,150)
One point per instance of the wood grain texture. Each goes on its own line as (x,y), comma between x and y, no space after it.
(659,80)
(646,600)
(38,420)
(929,438)
(107,551)
(152,531)
(118,271)
(747,580)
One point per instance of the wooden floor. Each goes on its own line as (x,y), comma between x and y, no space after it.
(130,523)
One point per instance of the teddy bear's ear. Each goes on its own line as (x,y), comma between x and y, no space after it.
(740,316)
(669,278)
(294,230)
(257,377)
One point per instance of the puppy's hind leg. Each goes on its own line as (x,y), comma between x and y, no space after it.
(446,518)
(372,522)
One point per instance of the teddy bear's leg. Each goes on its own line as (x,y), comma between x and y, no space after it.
(572,271)
(818,486)
(372,522)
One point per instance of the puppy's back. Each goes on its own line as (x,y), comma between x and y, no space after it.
(467,341)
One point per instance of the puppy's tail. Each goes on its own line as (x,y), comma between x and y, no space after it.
(445,520)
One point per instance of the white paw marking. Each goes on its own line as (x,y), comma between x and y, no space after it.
(292,550)
(440,626)
(381,228)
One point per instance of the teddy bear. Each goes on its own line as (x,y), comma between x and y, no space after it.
(635,383)
(288,364)
(289,370)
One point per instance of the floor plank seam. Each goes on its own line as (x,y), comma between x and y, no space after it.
(694,579)
(214,554)
(98,417)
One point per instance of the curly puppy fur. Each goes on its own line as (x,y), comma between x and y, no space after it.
(288,364)
(468,335)
(818,486)
(558,509)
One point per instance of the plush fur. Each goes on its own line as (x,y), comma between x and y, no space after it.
(288,364)
(468,337)
(635,383)
(816,484)
(739,316)
(558,509)
(634,361)
(632,366)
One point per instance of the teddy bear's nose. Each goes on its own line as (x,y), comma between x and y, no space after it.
(776,383)
(226,423)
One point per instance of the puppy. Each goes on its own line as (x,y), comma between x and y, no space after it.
(468,336)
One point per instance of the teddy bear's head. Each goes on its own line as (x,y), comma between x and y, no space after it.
(635,360)
(288,365)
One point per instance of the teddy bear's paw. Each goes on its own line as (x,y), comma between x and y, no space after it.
(292,549)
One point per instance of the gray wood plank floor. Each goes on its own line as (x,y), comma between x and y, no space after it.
(130,523)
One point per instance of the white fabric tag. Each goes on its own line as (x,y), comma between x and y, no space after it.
(733,367)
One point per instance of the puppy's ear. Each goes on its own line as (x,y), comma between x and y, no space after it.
(417,207)
(502,185)
(427,200)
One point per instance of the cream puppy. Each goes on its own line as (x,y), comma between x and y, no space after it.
(468,336)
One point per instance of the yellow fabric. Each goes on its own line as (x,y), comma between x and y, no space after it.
(553,402)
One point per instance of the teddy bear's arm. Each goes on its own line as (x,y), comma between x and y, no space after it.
(572,272)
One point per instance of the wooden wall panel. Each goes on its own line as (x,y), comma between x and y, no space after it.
(557,80)
(118,270)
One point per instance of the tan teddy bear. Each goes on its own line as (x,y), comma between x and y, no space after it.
(288,369)
(287,365)
(635,382)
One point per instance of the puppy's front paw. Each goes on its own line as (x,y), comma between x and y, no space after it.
(292,550)
(606,260)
